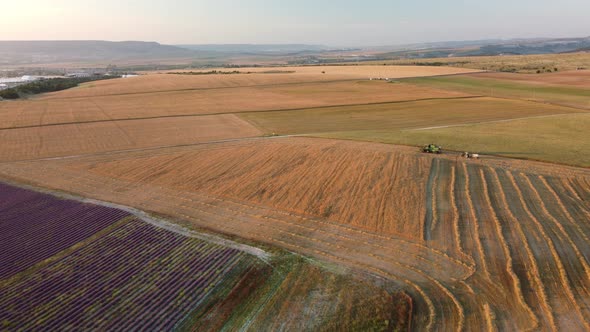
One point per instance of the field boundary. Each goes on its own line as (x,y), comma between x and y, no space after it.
(206,89)
(475,71)
(240,113)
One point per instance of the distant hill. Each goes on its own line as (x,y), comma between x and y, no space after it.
(32,52)
(257,49)
(488,48)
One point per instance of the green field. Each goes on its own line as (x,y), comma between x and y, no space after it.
(402,115)
(561,95)
(518,63)
(511,128)
(560,139)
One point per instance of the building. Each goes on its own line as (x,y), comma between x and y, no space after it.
(79,75)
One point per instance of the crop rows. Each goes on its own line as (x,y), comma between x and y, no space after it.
(527,234)
(137,276)
(35,226)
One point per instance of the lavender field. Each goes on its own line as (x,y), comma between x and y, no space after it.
(36,226)
(135,276)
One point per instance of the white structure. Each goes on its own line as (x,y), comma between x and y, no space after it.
(79,75)
(18,80)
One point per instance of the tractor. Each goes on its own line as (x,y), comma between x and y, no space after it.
(431,148)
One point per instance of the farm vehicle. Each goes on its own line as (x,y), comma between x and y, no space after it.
(431,148)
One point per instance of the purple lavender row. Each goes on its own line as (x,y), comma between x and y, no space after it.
(136,277)
(77,265)
(59,293)
(188,269)
(36,226)
(184,286)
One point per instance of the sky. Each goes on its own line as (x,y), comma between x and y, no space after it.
(326,22)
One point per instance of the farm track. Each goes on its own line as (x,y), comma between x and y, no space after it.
(503,247)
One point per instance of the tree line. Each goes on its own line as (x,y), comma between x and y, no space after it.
(48,85)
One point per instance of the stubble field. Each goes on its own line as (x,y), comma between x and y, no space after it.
(58,110)
(87,138)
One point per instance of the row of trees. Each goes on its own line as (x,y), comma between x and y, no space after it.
(48,85)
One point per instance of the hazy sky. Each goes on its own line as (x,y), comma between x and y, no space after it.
(331,22)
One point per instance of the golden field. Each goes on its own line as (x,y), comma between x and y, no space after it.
(60,109)
(89,138)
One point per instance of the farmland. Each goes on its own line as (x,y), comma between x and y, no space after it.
(169,82)
(578,78)
(132,274)
(518,63)
(205,211)
(62,223)
(562,139)
(577,96)
(504,231)
(214,101)
(187,270)
(74,139)
(402,115)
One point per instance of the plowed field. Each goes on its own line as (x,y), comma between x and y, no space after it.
(479,245)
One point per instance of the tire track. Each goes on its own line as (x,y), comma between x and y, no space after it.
(574,265)
(429,219)
(512,287)
(533,290)
(567,312)
(472,241)
(573,228)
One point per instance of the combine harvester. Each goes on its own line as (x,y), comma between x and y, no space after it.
(431,148)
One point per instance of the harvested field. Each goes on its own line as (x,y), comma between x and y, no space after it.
(167,83)
(353,71)
(396,116)
(555,139)
(209,101)
(303,74)
(496,245)
(257,173)
(75,139)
